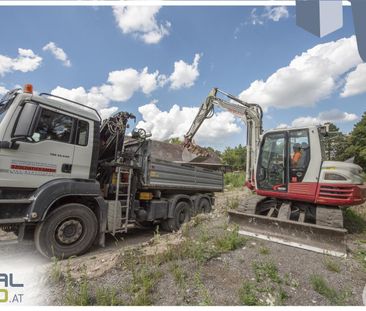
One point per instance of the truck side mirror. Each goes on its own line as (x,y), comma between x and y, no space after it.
(26,122)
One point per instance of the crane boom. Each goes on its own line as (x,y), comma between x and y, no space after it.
(250,114)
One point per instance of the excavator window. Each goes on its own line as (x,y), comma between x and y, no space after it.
(299,150)
(271,173)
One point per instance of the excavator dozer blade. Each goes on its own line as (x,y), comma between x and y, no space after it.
(320,239)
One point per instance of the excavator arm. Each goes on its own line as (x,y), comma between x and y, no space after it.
(250,114)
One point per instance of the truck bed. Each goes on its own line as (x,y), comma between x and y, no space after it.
(162,174)
(162,168)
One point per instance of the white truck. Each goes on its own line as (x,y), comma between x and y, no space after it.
(73,178)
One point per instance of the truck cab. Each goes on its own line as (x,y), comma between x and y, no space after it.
(42,139)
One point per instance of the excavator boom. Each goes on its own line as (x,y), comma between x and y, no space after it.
(250,114)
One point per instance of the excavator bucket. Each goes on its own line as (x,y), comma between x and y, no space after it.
(320,239)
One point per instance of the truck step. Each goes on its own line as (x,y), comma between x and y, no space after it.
(12,221)
(16,201)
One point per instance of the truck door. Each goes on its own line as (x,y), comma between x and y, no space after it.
(46,155)
(83,152)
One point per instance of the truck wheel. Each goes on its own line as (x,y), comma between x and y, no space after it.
(204,206)
(69,230)
(182,214)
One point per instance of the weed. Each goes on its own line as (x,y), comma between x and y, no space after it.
(232,203)
(107,297)
(291,281)
(263,270)
(281,297)
(234,179)
(264,250)
(321,286)
(143,282)
(56,273)
(179,274)
(354,222)
(231,240)
(248,296)
(76,295)
(360,255)
(331,265)
(203,292)
(156,238)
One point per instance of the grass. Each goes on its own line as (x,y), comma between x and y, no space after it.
(56,273)
(203,291)
(291,281)
(360,255)
(354,222)
(143,282)
(180,276)
(232,203)
(234,179)
(248,295)
(264,250)
(230,241)
(205,246)
(76,293)
(107,297)
(331,265)
(266,270)
(321,286)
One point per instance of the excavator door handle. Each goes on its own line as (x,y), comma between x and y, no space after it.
(66,168)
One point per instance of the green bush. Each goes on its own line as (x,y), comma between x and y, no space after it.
(234,179)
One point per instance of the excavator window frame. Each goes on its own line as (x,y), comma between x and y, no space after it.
(283,187)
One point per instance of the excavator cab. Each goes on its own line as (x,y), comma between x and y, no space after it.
(283,159)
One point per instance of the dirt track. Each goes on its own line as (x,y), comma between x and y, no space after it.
(257,272)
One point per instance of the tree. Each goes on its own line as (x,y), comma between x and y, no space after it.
(235,157)
(335,144)
(357,143)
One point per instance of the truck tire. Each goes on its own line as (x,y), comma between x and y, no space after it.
(182,214)
(204,206)
(69,230)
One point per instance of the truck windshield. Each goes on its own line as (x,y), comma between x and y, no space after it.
(6,101)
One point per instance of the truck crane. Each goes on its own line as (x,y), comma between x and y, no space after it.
(298,198)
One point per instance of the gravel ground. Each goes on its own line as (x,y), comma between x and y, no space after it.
(270,273)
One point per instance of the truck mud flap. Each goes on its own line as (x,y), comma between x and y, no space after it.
(320,239)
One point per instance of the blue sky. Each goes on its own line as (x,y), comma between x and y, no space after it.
(233,47)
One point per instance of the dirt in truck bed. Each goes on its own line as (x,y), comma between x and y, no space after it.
(205,263)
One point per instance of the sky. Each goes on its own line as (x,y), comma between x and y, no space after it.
(161,62)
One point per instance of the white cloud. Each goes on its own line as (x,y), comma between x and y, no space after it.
(184,74)
(3,90)
(121,85)
(140,21)
(334,116)
(175,123)
(355,82)
(310,77)
(58,53)
(91,98)
(274,14)
(25,61)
